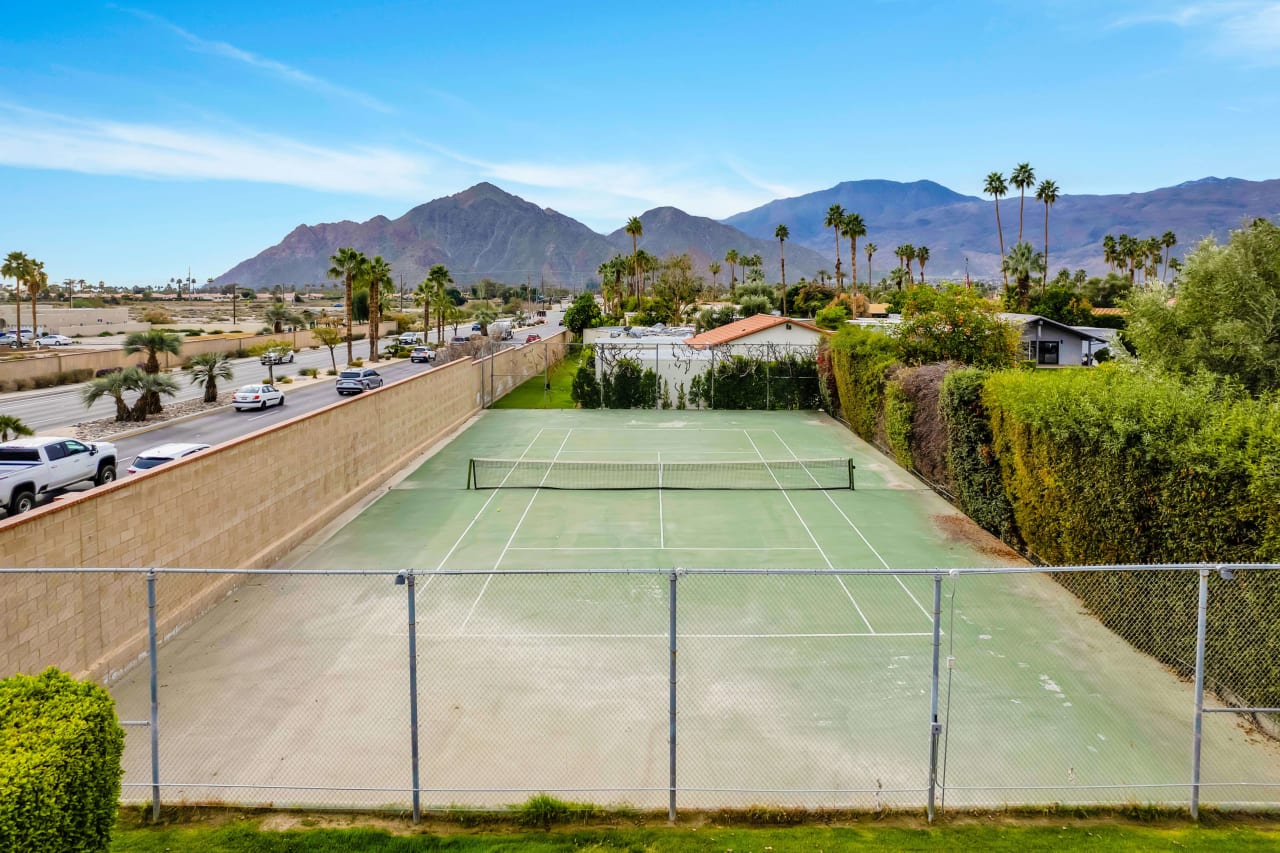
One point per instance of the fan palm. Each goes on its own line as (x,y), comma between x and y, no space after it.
(114,385)
(835,221)
(854,227)
(909,255)
(1167,241)
(152,385)
(208,368)
(346,265)
(37,280)
(1023,262)
(277,314)
(731,258)
(11,427)
(1109,252)
(440,279)
(870,249)
(484,315)
(922,257)
(17,266)
(783,233)
(377,274)
(1021,177)
(635,228)
(423,295)
(714,269)
(152,342)
(1046,193)
(996,187)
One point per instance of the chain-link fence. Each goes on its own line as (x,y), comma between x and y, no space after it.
(695,689)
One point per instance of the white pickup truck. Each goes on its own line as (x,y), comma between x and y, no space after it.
(30,467)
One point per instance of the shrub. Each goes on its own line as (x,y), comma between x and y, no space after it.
(954,324)
(927,450)
(971,464)
(60,748)
(831,317)
(861,360)
(329,371)
(898,411)
(155,316)
(285,380)
(789,382)
(309,371)
(105,334)
(356,362)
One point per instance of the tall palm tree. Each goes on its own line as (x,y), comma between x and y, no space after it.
(377,274)
(152,342)
(922,257)
(783,233)
(37,280)
(1046,193)
(209,367)
(440,279)
(731,258)
(854,227)
(11,427)
(909,255)
(1023,262)
(1021,177)
(996,187)
(1127,247)
(870,249)
(714,269)
(835,221)
(17,266)
(346,265)
(1109,252)
(1167,241)
(423,295)
(635,228)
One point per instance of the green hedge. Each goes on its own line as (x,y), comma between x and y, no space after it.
(60,772)
(789,382)
(971,464)
(861,360)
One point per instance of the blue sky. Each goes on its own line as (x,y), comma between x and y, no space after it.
(140,139)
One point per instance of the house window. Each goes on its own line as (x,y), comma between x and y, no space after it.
(1048,352)
(1029,350)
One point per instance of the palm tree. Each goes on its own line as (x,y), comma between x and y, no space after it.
(11,427)
(731,258)
(922,257)
(714,269)
(835,221)
(909,255)
(870,249)
(377,274)
(423,296)
(1021,177)
(17,266)
(152,342)
(854,228)
(783,233)
(1047,193)
(439,277)
(346,265)
(152,385)
(113,385)
(996,187)
(635,228)
(277,314)
(208,368)
(1023,262)
(1109,252)
(1167,241)
(484,315)
(37,280)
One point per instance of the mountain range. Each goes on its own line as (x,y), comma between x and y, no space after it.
(487,232)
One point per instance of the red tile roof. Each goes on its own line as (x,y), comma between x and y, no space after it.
(741,328)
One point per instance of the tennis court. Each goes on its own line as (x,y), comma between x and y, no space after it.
(797,689)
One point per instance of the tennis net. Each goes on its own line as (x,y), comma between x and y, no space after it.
(789,474)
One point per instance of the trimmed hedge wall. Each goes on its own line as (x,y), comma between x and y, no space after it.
(60,771)
(971,463)
(862,361)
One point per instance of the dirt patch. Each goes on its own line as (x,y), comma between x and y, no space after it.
(961,528)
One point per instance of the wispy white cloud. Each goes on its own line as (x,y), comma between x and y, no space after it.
(279,69)
(35,139)
(775,190)
(1243,29)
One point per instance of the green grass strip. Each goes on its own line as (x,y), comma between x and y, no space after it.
(532,394)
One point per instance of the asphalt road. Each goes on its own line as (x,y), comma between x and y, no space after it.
(221,426)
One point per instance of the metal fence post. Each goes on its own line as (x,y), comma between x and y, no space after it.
(155,696)
(1202,612)
(413,693)
(935,728)
(671,804)
(546,366)
(657,379)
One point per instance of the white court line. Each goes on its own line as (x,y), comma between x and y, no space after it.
(486,504)
(810,532)
(512,538)
(926,613)
(672,430)
(693,455)
(680,634)
(646,548)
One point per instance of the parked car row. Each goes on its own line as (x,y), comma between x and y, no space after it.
(11,338)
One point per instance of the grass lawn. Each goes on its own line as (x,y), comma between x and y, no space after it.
(532,394)
(278,833)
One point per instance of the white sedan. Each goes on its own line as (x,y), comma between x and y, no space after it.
(163,453)
(53,341)
(257,397)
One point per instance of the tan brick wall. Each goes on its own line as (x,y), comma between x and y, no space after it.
(243,504)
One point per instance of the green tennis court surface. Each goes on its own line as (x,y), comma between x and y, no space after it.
(792,689)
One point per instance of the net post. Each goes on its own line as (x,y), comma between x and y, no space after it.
(851,467)
(471,474)
(1202,611)
(154,720)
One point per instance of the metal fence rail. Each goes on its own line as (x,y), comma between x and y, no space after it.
(704,688)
